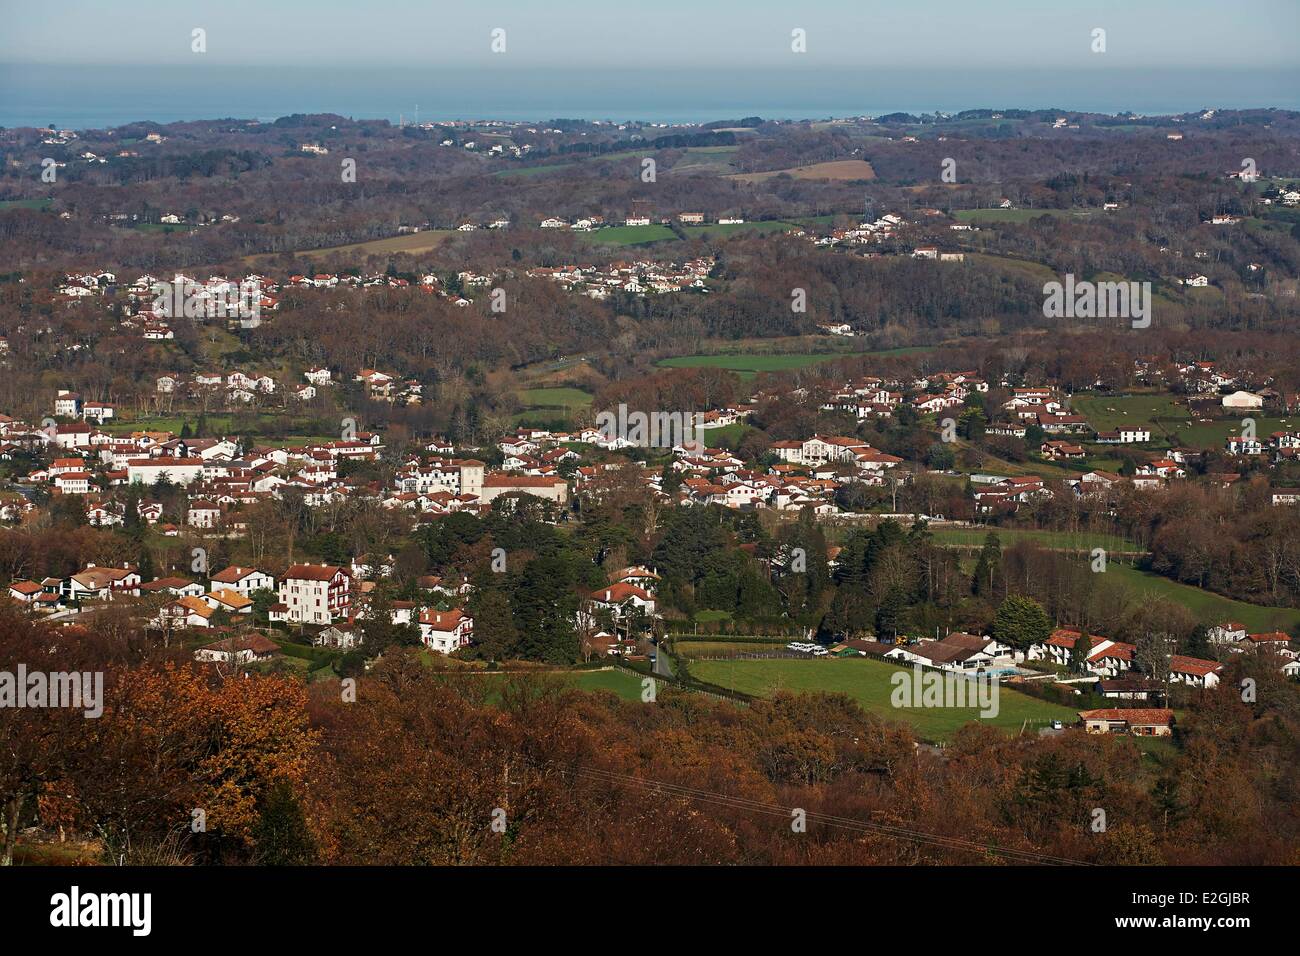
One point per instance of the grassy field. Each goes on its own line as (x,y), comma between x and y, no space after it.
(629,235)
(693,159)
(1215,434)
(709,616)
(727,435)
(1171,422)
(1018,215)
(706,159)
(823,220)
(715,231)
(217,423)
(620,682)
(1258,225)
(25,204)
(748,365)
(1208,607)
(550,405)
(566,398)
(1033,271)
(1105,412)
(842,169)
(691,649)
(414,242)
(526,172)
(992,465)
(868,682)
(1068,540)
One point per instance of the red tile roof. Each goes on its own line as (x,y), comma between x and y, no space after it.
(1138,715)
(314,572)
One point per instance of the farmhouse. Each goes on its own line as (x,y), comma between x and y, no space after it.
(102,583)
(244,649)
(1140,722)
(618,598)
(243,580)
(25,592)
(445,631)
(185,612)
(1061,449)
(1124,436)
(1275,640)
(1229,632)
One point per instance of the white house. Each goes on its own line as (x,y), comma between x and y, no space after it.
(25,592)
(1138,721)
(184,612)
(243,649)
(67,404)
(1229,632)
(1125,435)
(619,600)
(179,471)
(102,583)
(445,631)
(336,637)
(243,580)
(1194,672)
(98,411)
(203,514)
(73,482)
(316,593)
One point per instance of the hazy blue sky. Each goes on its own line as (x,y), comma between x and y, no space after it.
(1004,34)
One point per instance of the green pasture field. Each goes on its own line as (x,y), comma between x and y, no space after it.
(1064,540)
(750,364)
(1172,424)
(561,397)
(869,683)
(1018,215)
(629,235)
(1210,608)
(6,204)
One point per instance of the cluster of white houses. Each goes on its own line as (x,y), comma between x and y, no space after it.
(222,475)
(221,478)
(637,277)
(330,600)
(1113,664)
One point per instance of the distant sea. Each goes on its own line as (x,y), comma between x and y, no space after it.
(88,97)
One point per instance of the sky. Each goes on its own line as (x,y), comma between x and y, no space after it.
(695,34)
(96,63)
